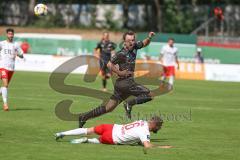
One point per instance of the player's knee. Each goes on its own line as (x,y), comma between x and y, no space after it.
(110,109)
(151,95)
(147,97)
(111,105)
(5,85)
(90,130)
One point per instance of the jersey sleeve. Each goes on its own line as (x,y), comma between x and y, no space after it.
(176,53)
(19,50)
(117,58)
(144,136)
(162,50)
(98,45)
(139,45)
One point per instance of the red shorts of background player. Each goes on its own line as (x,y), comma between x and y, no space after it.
(6,74)
(168,71)
(105,132)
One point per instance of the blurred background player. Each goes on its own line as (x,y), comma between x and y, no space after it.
(123,64)
(168,58)
(104,50)
(137,132)
(198,57)
(8,52)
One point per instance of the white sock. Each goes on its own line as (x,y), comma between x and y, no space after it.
(74,132)
(4,94)
(171,80)
(93,140)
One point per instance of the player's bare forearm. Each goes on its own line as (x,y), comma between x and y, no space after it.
(113,68)
(147,145)
(160,58)
(177,63)
(96,53)
(147,41)
(113,52)
(116,70)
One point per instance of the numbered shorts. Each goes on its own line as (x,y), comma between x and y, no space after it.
(105,132)
(169,71)
(6,74)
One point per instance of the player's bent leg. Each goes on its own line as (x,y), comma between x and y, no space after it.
(93,140)
(142,94)
(6,77)
(85,140)
(138,100)
(171,79)
(80,140)
(91,114)
(110,106)
(75,132)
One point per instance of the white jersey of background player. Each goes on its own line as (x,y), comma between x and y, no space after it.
(8,52)
(132,133)
(169,59)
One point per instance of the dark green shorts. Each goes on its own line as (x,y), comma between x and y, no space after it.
(124,88)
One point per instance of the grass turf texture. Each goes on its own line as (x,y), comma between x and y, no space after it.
(26,131)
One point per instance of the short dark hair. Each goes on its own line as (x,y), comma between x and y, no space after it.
(9,30)
(128,33)
(171,38)
(158,120)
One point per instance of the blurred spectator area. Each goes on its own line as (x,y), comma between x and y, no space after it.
(221,41)
(168,16)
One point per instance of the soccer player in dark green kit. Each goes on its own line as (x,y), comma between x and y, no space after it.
(123,64)
(104,50)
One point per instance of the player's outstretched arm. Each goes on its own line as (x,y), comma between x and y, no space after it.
(20,52)
(147,145)
(177,62)
(96,53)
(148,39)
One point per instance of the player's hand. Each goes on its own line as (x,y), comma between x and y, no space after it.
(151,34)
(125,73)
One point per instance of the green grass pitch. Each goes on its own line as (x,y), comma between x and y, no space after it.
(26,131)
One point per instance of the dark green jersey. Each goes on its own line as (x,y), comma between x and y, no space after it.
(126,59)
(105,50)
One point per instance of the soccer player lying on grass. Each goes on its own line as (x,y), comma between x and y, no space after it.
(132,133)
